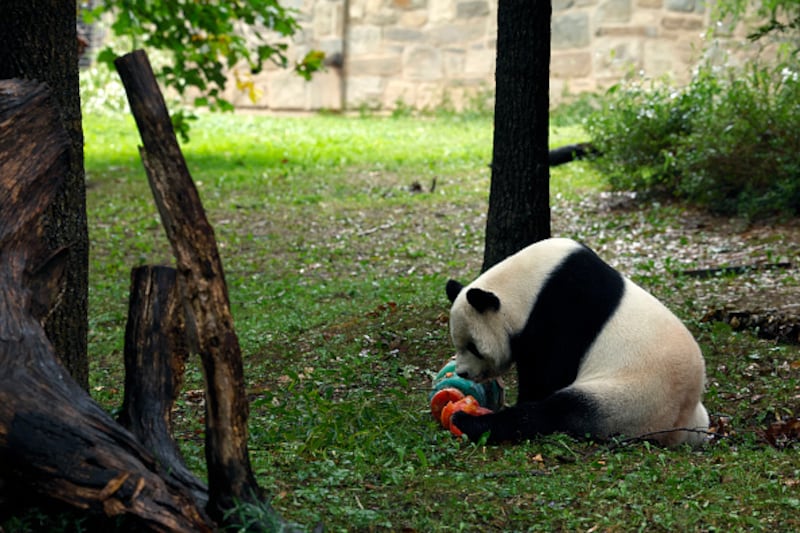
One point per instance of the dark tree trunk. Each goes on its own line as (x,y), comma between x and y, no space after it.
(230,476)
(38,41)
(519,200)
(54,440)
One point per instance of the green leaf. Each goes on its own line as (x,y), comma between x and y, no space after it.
(204,41)
(107,57)
(312,62)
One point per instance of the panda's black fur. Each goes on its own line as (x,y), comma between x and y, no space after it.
(575,300)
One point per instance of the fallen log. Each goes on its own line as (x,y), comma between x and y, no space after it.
(781,325)
(55,441)
(704,273)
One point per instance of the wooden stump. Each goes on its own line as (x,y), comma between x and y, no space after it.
(155,358)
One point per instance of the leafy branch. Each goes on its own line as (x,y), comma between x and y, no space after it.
(205,40)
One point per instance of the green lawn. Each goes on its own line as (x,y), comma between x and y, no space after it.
(338,235)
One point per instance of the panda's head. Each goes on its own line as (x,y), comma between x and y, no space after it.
(479,332)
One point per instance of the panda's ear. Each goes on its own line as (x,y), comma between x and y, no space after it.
(453,289)
(483,300)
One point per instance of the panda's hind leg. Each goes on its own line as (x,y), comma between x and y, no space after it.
(568,410)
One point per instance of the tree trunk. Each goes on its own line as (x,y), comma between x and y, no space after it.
(38,40)
(519,199)
(54,440)
(230,477)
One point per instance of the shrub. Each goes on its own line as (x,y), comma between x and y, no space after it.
(729,140)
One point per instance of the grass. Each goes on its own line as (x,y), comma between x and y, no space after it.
(336,253)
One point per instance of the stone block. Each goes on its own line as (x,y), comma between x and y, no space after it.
(422,62)
(571,64)
(364,39)
(614,11)
(293,4)
(303,35)
(364,90)
(286,90)
(450,34)
(325,91)
(453,60)
(647,18)
(471,9)
(570,30)
(672,58)
(561,5)
(480,62)
(401,34)
(615,58)
(331,46)
(650,4)
(416,18)
(687,23)
(563,89)
(356,10)
(408,4)
(380,13)
(683,6)
(327,19)
(375,66)
(441,11)
(620,31)
(660,58)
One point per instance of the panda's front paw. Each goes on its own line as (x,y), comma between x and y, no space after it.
(473,427)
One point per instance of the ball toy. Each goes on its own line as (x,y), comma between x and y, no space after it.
(452,393)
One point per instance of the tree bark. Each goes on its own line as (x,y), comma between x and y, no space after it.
(519,198)
(38,40)
(230,476)
(155,358)
(54,440)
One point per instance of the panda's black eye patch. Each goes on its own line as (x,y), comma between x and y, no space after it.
(474,350)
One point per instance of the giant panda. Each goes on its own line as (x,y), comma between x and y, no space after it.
(596,355)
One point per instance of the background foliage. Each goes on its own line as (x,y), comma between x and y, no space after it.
(204,42)
(728,140)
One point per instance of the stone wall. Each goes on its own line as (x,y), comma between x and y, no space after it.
(421,53)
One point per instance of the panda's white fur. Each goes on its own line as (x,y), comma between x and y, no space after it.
(614,360)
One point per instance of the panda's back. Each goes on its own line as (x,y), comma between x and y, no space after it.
(644,338)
